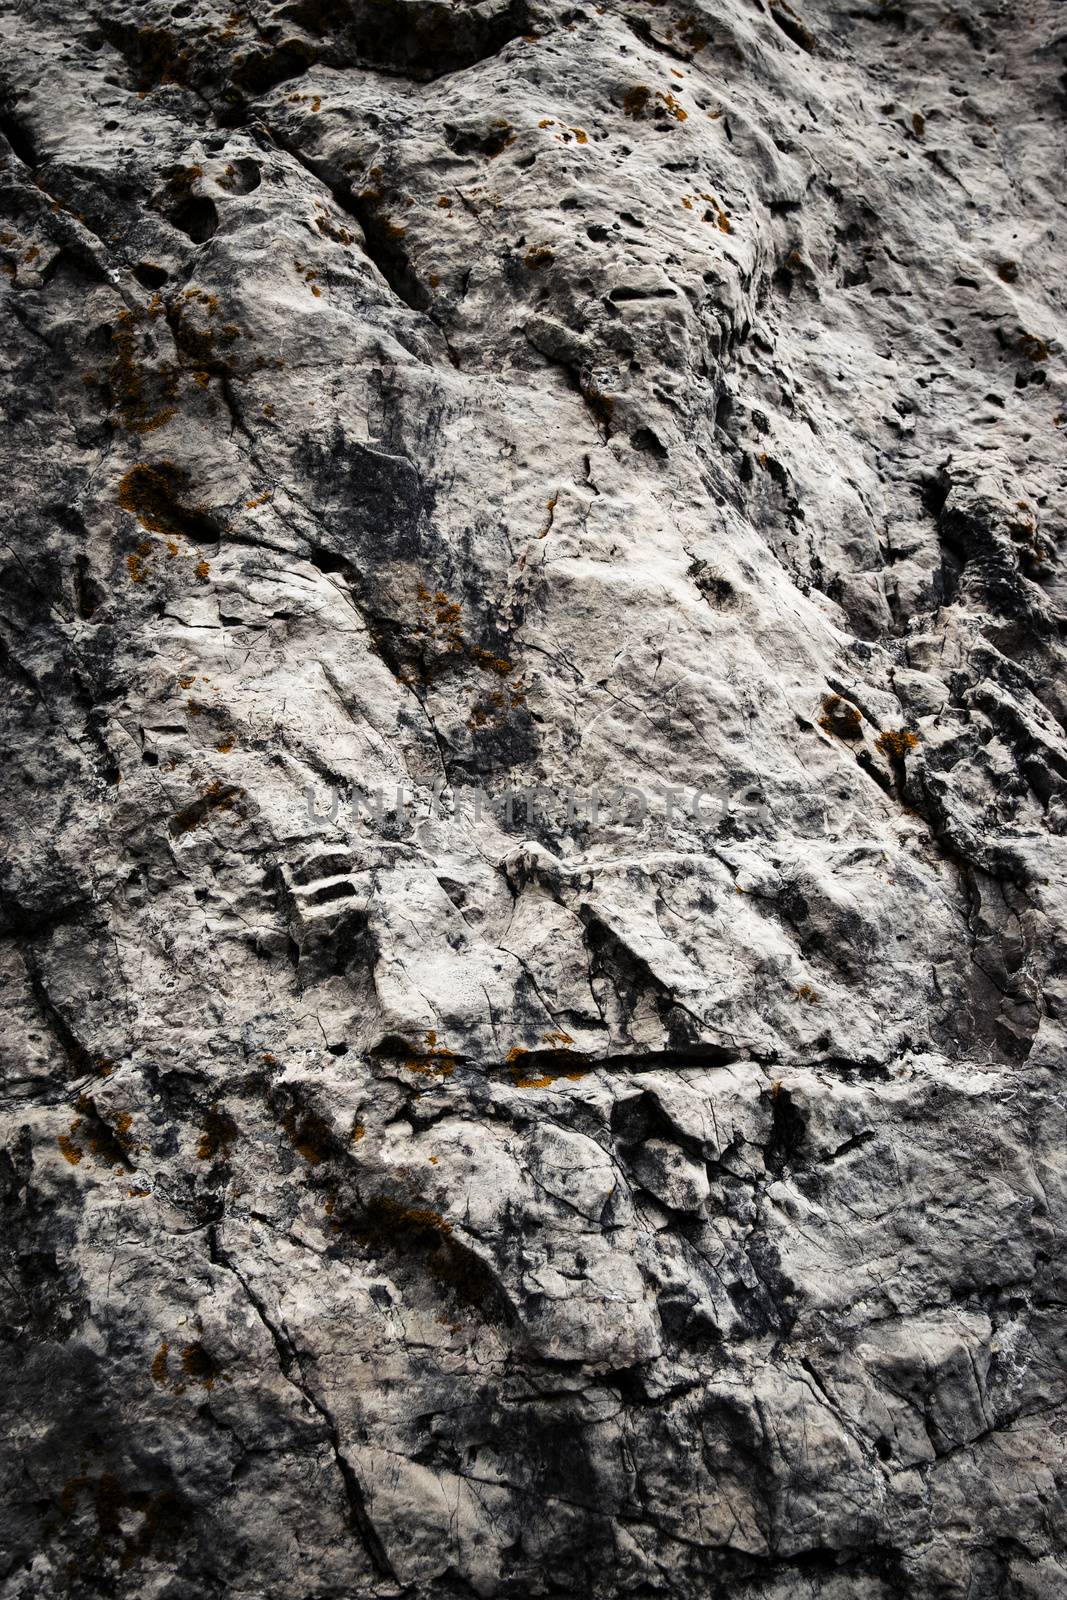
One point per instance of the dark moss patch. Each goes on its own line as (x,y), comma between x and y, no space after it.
(841,718)
(198,1366)
(217,797)
(220,1133)
(109,1141)
(154,494)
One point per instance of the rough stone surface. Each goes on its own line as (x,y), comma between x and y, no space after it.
(421,1203)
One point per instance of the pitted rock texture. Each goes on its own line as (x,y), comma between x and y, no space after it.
(440,1202)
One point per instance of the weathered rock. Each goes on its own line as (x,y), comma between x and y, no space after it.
(533,912)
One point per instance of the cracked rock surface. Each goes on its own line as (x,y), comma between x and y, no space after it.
(447,1199)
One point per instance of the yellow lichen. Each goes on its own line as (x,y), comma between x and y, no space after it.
(894,744)
(435,1060)
(672,105)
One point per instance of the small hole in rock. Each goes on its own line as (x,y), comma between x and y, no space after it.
(150,275)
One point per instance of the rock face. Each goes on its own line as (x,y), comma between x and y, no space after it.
(652,1185)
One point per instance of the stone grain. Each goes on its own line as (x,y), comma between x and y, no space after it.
(430,1203)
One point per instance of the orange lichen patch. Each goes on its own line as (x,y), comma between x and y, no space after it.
(383,1211)
(335,230)
(539,255)
(551,1064)
(358,1132)
(543,1082)
(636,99)
(198,1366)
(716,214)
(687,203)
(444,201)
(215,797)
(130,380)
(268,409)
(109,1142)
(546,1078)
(490,662)
(438,635)
(894,744)
(154,494)
(547,122)
(159,1370)
(484,715)
(676,111)
(1033,348)
(193,318)
(71,1151)
(440,619)
(310,1134)
(136,568)
(260,500)
(224,747)
(841,718)
(580,135)
(219,1135)
(435,1060)
(807,994)
(203,569)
